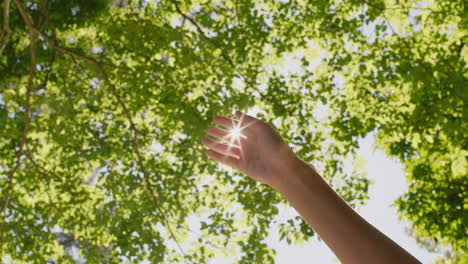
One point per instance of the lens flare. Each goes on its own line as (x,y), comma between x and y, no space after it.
(235,133)
(233,137)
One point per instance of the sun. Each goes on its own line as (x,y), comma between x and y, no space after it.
(235,133)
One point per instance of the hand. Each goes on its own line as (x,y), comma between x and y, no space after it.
(259,151)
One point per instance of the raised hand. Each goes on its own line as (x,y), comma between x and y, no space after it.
(250,146)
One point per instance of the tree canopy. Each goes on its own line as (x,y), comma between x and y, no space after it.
(103,105)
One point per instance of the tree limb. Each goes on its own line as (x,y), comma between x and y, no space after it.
(405,8)
(6,31)
(374,5)
(27,121)
(54,43)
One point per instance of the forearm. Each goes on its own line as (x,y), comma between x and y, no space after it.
(348,235)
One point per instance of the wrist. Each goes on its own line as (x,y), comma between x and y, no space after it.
(291,171)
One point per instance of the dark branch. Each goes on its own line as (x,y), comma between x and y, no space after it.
(27,121)
(54,43)
(373,5)
(6,31)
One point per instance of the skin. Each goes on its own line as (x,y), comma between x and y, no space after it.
(263,155)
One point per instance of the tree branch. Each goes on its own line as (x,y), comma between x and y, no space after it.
(374,5)
(6,31)
(54,43)
(405,8)
(27,121)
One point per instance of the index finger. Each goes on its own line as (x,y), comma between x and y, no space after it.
(245,120)
(225,122)
(243,125)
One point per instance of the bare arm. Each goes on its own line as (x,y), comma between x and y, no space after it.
(263,155)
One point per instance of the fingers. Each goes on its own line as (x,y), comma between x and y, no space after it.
(225,122)
(245,123)
(218,133)
(223,135)
(228,160)
(224,149)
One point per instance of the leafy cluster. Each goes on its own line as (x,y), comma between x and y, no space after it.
(103,105)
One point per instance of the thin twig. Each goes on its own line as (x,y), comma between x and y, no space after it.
(374,5)
(49,72)
(202,32)
(54,42)
(223,53)
(406,8)
(41,172)
(421,62)
(6,31)
(27,121)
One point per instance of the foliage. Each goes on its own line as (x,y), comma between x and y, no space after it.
(103,105)
(452,259)
(448,255)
